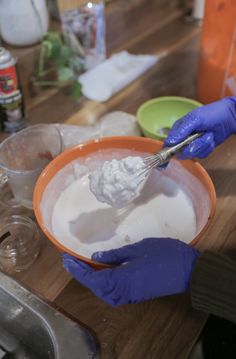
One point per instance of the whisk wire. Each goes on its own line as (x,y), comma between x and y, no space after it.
(150,162)
(162,157)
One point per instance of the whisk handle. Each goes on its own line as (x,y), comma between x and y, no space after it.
(168,152)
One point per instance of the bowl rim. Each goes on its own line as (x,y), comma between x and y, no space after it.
(161,99)
(55,165)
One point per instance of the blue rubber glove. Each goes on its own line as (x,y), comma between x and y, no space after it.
(153,267)
(217,121)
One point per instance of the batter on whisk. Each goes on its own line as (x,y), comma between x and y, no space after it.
(118,182)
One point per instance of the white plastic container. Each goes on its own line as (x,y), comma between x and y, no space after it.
(21,22)
(198,9)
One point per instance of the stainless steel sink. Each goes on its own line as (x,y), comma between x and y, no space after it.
(31,329)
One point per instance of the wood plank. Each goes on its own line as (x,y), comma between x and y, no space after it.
(154,329)
(65,5)
(55,109)
(126,25)
(46,276)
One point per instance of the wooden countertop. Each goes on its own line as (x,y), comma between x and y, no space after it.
(163,328)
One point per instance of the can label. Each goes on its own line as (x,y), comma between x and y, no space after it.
(8,81)
(11,100)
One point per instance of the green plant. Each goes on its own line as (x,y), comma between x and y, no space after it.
(57,65)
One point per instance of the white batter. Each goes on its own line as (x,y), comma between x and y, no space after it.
(85,225)
(118,182)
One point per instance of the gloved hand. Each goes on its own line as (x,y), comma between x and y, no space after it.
(153,267)
(217,120)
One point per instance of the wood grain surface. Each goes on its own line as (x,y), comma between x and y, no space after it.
(166,328)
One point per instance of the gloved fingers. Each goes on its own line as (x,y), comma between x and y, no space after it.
(126,253)
(116,256)
(86,275)
(100,282)
(77,268)
(183,128)
(201,147)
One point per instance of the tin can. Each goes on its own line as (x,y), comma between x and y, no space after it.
(12,114)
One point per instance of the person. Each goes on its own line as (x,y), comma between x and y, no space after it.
(157,267)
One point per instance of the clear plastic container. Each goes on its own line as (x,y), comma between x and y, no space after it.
(84,30)
(19,243)
(23,23)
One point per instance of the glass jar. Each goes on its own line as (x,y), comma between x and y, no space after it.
(19,243)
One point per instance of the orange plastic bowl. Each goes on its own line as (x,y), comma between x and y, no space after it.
(204,203)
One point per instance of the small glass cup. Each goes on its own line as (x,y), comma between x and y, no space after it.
(19,243)
(24,155)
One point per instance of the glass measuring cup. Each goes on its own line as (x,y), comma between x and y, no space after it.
(24,155)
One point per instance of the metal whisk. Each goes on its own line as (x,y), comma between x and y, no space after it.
(163,156)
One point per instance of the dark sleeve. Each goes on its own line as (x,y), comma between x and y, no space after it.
(213,285)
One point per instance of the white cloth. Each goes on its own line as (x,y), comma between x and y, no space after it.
(112,75)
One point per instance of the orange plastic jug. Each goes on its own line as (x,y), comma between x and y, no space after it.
(217,66)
